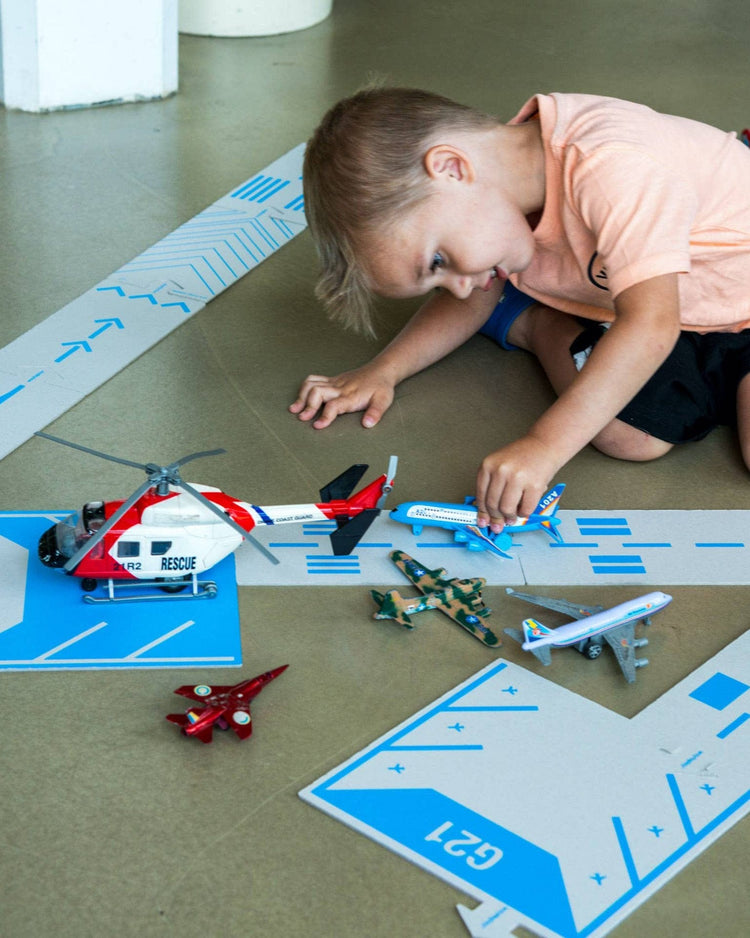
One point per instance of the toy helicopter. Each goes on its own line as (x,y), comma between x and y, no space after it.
(168,532)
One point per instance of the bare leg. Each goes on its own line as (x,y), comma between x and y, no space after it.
(548,334)
(743,417)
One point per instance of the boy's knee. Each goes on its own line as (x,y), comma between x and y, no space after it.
(621,441)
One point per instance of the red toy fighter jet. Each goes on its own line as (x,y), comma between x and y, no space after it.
(226,706)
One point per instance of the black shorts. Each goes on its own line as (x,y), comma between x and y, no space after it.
(693,391)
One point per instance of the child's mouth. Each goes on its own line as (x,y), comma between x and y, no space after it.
(497,273)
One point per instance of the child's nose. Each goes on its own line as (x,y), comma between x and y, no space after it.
(462,287)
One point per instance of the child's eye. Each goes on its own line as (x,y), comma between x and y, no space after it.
(438,261)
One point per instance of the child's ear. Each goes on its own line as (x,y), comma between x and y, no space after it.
(445,161)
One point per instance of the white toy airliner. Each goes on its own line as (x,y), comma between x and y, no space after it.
(593,626)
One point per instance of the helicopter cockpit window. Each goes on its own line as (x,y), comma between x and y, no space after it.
(160,547)
(128,549)
(93,516)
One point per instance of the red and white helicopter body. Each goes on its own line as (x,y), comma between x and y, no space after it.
(173,532)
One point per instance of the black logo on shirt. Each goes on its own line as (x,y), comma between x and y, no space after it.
(597,272)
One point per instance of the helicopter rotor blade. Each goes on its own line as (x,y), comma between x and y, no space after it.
(93,452)
(109,523)
(185,459)
(227,519)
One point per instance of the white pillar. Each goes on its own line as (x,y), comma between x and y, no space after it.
(250,17)
(73,53)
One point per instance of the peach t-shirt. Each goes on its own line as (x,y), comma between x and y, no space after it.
(632,194)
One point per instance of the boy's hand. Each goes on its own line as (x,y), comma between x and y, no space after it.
(511,481)
(364,389)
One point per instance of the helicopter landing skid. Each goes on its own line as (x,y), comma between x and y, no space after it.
(193,589)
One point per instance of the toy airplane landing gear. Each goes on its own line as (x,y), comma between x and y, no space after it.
(132,590)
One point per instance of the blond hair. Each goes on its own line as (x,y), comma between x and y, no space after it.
(363,169)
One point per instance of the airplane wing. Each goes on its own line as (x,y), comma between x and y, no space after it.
(426,581)
(477,540)
(240,721)
(469,616)
(621,640)
(199,692)
(574,610)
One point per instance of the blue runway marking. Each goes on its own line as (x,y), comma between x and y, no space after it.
(200,250)
(641,544)
(459,709)
(570,544)
(734,725)
(106,324)
(719,691)
(261,188)
(627,854)
(680,805)
(447,546)
(11,393)
(305,544)
(336,561)
(264,232)
(617,563)
(199,241)
(157,265)
(433,748)
(719,544)
(595,527)
(144,296)
(330,571)
(75,346)
(619,570)
(296,205)
(331,564)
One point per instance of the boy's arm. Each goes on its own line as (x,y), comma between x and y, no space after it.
(511,480)
(438,327)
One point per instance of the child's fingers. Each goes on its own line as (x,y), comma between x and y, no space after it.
(334,407)
(312,397)
(379,404)
(308,392)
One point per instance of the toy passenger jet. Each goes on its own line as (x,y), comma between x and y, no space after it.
(460,600)
(462,520)
(593,626)
(225,706)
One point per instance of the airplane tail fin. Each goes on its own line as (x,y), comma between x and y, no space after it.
(546,510)
(359,510)
(183,720)
(533,631)
(389,607)
(549,503)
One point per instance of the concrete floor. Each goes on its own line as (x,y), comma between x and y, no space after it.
(110,822)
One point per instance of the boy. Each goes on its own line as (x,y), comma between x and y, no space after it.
(596,209)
